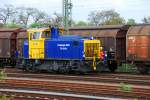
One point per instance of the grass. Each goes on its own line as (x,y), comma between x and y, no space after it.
(126,68)
(125,87)
(4,98)
(2,77)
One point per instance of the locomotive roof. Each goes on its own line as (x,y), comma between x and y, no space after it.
(38,29)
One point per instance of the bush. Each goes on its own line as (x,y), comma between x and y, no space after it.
(125,87)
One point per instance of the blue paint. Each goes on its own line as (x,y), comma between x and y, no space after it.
(26,49)
(54,32)
(64,47)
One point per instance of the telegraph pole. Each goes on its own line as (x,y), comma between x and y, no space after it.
(67,14)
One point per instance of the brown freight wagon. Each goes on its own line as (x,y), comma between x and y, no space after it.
(8,46)
(138,47)
(113,38)
(21,37)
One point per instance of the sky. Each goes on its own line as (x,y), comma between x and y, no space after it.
(136,9)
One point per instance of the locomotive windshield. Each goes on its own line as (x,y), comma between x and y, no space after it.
(46,34)
(35,35)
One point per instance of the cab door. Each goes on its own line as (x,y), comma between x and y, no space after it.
(36,45)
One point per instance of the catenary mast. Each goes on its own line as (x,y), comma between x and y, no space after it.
(67,14)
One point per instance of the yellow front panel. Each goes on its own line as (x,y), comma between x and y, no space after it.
(91,48)
(36,49)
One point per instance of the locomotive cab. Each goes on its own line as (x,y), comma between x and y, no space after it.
(36,42)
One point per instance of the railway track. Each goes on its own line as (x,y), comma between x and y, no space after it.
(107,78)
(17,94)
(81,87)
(100,84)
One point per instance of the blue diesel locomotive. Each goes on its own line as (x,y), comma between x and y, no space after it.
(47,50)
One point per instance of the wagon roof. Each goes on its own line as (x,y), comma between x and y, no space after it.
(8,35)
(9,32)
(102,31)
(98,33)
(123,27)
(9,29)
(22,34)
(139,30)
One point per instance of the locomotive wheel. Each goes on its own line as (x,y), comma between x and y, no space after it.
(143,69)
(29,67)
(35,70)
(55,66)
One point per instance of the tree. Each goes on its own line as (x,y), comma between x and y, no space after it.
(146,20)
(12,25)
(57,20)
(38,16)
(36,25)
(94,18)
(46,21)
(131,22)
(24,15)
(6,13)
(108,17)
(81,23)
(114,21)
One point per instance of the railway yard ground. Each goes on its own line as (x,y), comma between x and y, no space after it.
(21,85)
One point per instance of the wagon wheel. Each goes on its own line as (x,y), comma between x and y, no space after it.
(143,69)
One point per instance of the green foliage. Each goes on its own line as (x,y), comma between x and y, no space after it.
(12,25)
(105,17)
(81,23)
(4,98)
(2,75)
(36,25)
(114,21)
(127,68)
(125,87)
(131,22)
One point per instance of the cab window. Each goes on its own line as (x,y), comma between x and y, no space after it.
(46,34)
(36,35)
(75,43)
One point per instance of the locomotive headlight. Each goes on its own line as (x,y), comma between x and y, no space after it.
(84,55)
(105,53)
